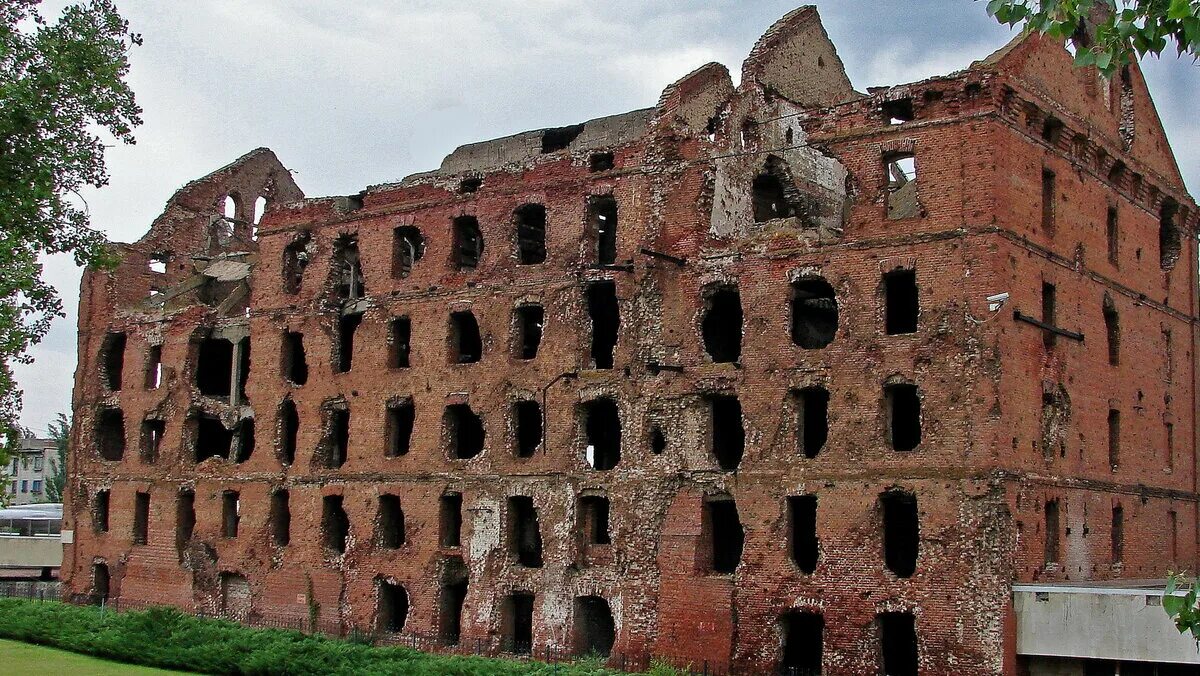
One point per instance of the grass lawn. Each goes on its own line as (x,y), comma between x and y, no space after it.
(36,660)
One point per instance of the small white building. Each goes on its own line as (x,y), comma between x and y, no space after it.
(28,470)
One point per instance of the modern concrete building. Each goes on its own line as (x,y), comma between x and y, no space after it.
(29,468)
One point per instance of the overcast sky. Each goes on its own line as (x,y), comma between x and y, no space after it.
(354,93)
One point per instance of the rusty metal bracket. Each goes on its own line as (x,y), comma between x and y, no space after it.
(1047,327)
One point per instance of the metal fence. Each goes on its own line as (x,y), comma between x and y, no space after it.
(53,591)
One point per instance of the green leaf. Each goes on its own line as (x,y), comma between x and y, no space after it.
(1179,9)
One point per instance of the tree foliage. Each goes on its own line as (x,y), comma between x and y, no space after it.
(1108,33)
(1183,610)
(62,85)
(56,482)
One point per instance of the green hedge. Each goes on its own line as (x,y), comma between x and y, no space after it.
(169,639)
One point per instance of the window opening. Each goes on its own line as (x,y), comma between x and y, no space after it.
(1168,234)
(1052,130)
(260,208)
(524,534)
(813,404)
(185,519)
(399,343)
(350,283)
(559,138)
(898,640)
(898,111)
(335,525)
(466,345)
(527,420)
(722,324)
(606,321)
(595,631)
(450,520)
(1049,201)
(803,643)
(531,234)
(455,580)
(1118,534)
(1112,329)
(245,440)
(724,534)
(518,623)
(470,185)
(347,326)
(391,522)
(602,224)
(212,439)
(529,322)
(100,504)
(1114,438)
(901,532)
(393,607)
(229,207)
(901,304)
(294,361)
(141,517)
(464,431)
(600,161)
(468,243)
(593,519)
(336,444)
(903,403)
(230,513)
(400,418)
(773,192)
(1113,232)
(727,435)
(110,433)
(658,440)
(112,358)
(152,434)
(1049,303)
(100,581)
(214,367)
(281,518)
(295,260)
(408,246)
(242,375)
(1053,551)
(158,262)
(289,429)
(902,182)
(814,313)
(153,367)
(602,431)
(802,522)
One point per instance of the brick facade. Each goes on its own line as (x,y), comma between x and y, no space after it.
(750,204)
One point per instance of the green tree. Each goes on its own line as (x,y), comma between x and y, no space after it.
(1183,610)
(1108,33)
(62,85)
(60,432)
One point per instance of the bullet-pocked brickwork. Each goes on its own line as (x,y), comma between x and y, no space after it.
(781,375)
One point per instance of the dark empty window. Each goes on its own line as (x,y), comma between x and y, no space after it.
(408,246)
(466,346)
(349,283)
(141,517)
(230,514)
(658,440)
(727,436)
(390,524)
(335,445)
(531,234)
(600,161)
(212,440)
(527,427)
(468,243)
(813,419)
(602,432)
(1112,331)
(242,353)
(185,518)
(100,502)
(802,531)
(400,418)
(1049,312)
(153,370)
(898,643)
(453,597)
(1052,130)
(1053,552)
(723,530)
(560,137)
(594,631)
(814,313)
(347,326)
(393,607)
(602,227)
(721,327)
(294,364)
(335,525)
(295,260)
(606,321)
(593,519)
(803,643)
(289,427)
(100,581)
(112,360)
(524,534)
(214,367)
(1049,201)
(281,519)
(1114,438)
(901,306)
(152,434)
(902,403)
(1112,230)
(901,532)
(1168,234)
(464,432)
(898,111)
(773,191)
(902,186)
(399,342)
(470,184)
(527,323)
(517,623)
(1118,533)
(245,440)
(450,520)
(110,433)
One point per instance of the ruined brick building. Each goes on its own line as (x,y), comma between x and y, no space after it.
(770,375)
